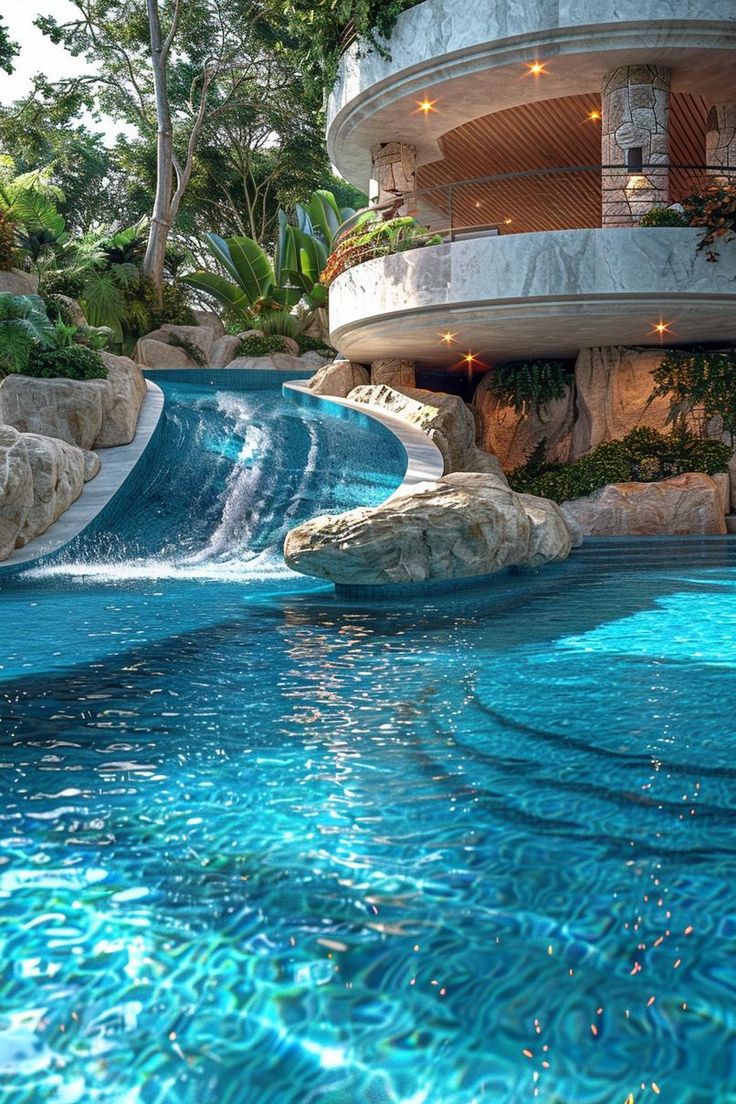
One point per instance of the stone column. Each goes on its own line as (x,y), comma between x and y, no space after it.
(635,118)
(394,171)
(720,142)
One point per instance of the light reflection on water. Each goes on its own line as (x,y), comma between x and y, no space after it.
(262,846)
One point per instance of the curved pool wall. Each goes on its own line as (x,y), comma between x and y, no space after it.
(263,846)
(199,476)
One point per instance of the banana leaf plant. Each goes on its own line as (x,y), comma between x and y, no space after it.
(23,324)
(252,286)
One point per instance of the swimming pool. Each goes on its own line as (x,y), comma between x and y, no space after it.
(262,845)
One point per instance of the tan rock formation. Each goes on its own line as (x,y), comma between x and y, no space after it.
(339,378)
(513,437)
(394,373)
(613,385)
(464,525)
(40,477)
(87,413)
(15,282)
(685,505)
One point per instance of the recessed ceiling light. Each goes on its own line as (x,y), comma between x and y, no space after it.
(426,106)
(536,68)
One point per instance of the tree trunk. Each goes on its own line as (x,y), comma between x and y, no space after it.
(153,263)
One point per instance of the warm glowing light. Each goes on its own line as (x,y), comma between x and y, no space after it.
(448,337)
(507,222)
(536,68)
(661,327)
(477,203)
(594,116)
(426,106)
(470,358)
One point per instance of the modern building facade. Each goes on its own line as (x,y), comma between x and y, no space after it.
(534,136)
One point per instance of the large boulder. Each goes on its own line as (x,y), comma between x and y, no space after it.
(15,282)
(58,479)
(394,372)
(339,378)
(125,390)
(40,477)
(613,385)
(463,525)
(685,505)
(71,410)
(16,488)
(152,353)
(513,437)
(224,351)
(445,419)
(208,320)
(87,413)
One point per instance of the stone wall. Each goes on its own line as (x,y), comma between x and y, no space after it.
(635,117)
(394,170)
(720,138)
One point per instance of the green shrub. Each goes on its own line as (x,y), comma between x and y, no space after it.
(527,385)
(664,216)
(73,362)
(145,314)
(314,344)
(279,322)
(257,345)
(643,456)
(69,282)
(699,380)
(193,351)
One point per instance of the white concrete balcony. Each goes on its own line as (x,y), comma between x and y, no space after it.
(472,60)
(536,294)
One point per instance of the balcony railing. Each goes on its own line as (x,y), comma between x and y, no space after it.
(560,198)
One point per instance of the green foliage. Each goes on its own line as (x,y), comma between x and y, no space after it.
(715,210)
(281,323)
(258,345)
(365,236)
(528,385)
(193,351)
(664,216)
(8,48)
(143,313)
(71,362)
(699,380)
(323,29)
(24,326)
(309,344)
(644,455)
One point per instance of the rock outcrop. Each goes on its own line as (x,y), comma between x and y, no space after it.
(445,419)
(513,437)
(87,413)
(462,526)
(393,373)
(613,385)
(339,378)
(15,282)
(685,505)
(151,352)
(40,477)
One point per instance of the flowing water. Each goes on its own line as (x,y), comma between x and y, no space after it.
(259,845)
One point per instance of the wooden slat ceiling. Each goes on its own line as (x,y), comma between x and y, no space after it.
(544,135)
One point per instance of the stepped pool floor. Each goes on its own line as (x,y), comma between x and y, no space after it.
(262,846)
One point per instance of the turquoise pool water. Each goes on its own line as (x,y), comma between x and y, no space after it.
(262,846)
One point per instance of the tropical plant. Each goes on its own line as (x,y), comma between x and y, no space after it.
(369,235)
(24,325)
(252,287)
(698,380)
(69,362)
(30,201)
(528,385)
(644,455)
(257,345)
(280,323)
(664,216)
(714,209)
(8,248)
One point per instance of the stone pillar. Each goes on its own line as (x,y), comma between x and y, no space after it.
(394,373)
(720,142)
(635,118)
(394,172)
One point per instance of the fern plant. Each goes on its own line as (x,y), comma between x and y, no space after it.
(24,325)
(529,385)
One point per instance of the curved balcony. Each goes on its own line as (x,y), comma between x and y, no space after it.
(548,293)
(472,60)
